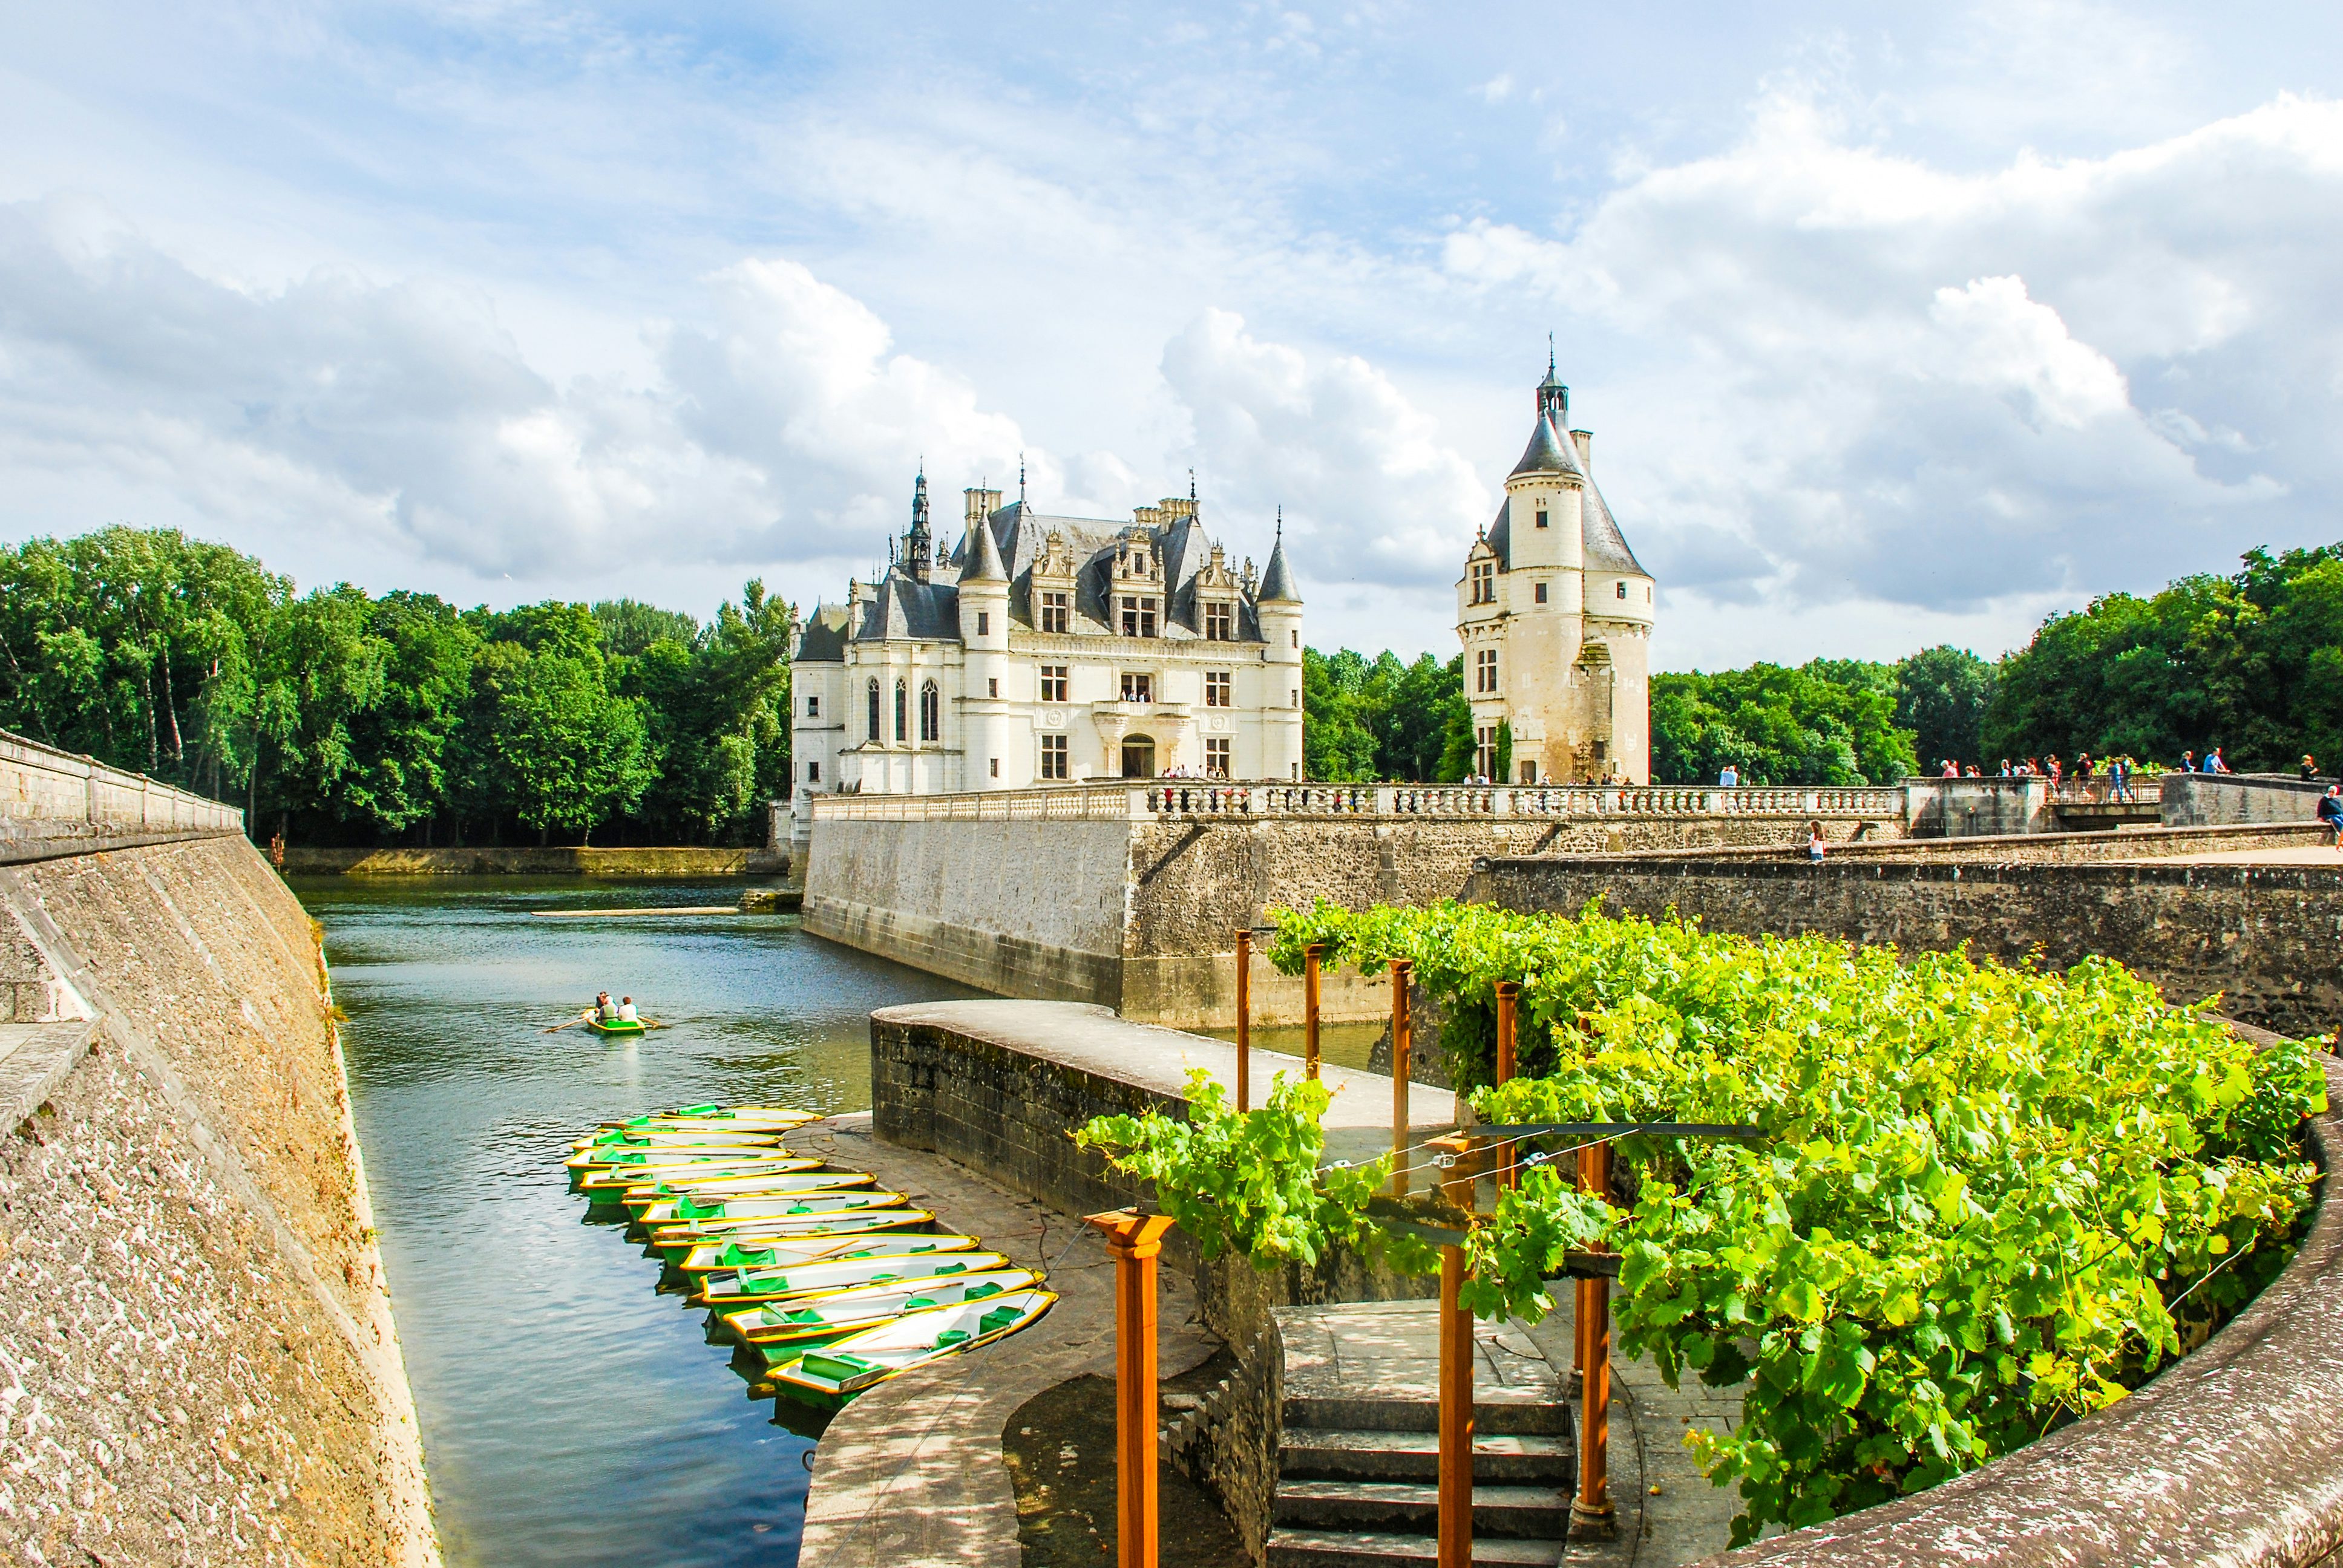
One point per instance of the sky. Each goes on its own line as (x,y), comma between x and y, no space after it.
(1893,325)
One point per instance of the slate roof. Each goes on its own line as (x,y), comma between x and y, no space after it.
(1277,578)
(906,610)
(1605,546)
(822,639)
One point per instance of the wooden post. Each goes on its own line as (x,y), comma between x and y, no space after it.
(1508,1002)
(1455,1372)
(1244,1019)
(1590,1510)
(1311,957)
(1403,1063)
(1133,1239)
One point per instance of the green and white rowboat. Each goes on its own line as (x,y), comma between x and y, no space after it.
(736,1118)
(786,1328)
(831,1376)
(615,1026)
(686,1210)
(675,1243)
(748,1287)
(677,1138)
(640,1199)
(604,1183)
(583,1165)
(782,1252)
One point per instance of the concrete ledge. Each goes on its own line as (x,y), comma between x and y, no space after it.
(2232,1456)
(35,1058)
(23,844)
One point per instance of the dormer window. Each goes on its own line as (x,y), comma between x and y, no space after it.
(1220,622)
(1138,616)
(1541,517)
(1485,582)
(1057,612)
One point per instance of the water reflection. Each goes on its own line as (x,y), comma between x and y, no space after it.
(571,1413)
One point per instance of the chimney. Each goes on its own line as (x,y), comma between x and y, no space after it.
(981,505)
(1585,442)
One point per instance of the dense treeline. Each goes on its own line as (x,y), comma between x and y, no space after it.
(2252,663)
(1831,722)
(357,720)
(1367,719)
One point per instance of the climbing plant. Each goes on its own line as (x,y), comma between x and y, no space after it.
(1987,1199)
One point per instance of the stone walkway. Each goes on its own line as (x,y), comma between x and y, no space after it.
(2306,855)
(911,1475)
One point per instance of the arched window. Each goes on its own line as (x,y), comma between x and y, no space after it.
(902,714)
(931,713)
(874,710)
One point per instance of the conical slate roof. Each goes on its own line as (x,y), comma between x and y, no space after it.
(1549,452)
(981,557)
(1277,578)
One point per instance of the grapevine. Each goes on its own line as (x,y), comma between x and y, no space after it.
(1989,1200)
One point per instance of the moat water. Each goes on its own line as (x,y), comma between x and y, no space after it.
(570,1414)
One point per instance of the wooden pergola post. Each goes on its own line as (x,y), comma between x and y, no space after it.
(1402,1064)
(1133,1239)
(1455,1371)
(1244,1019)
(1508,1006)
(1311,956)
(1590,1510)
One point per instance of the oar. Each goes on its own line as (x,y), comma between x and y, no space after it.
(558,1028)
(654,1023)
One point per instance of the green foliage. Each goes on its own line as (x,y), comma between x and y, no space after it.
(1382,719)
(1248,1180)
(1827,722)
(1501,753)
(1987,1199)
(2252,663)
(368,718)
(1941,697)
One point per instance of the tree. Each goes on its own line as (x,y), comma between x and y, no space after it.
(1941,695)
(571,754)
(1830,723)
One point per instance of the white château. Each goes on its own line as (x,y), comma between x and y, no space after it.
(1555,614)
(1045,649)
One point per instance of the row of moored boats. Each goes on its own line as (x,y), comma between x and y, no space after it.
(833,1283)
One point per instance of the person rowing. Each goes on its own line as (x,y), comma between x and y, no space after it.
(627,1013)
(604,1009)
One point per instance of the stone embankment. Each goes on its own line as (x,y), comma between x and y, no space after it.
(197,1360)
(523,861)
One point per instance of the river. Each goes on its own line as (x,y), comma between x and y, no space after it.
(570,1414)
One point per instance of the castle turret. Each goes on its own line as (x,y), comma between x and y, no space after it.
(918,544)
(989,762)
(1278,603)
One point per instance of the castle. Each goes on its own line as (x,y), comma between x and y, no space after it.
(1555,614)
(1044,649)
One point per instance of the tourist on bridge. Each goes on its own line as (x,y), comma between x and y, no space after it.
(1815,842)
(2213,763)
(2310,767)
(2330,814)
(2189,762)
(1729,778)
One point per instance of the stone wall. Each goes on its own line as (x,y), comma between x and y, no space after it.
(1140,915)
(2269,938)
(1972,808)
(201,1364)
(2209,800)
(527,861)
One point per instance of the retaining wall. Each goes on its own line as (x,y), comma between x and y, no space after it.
(201,1362)
(1139,914)
(2269,938)
(522,860)
(2208,799)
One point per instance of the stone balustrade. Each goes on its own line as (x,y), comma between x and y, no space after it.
(44,792)
(1167,798)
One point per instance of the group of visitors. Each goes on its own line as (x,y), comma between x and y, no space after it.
(2108,778)
(619,1011)
(1188,770)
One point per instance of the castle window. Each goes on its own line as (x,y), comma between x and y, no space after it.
(902,712)
(1053,683)
(1541,517)
(1484,750)
(1216,759)
(1220,622)
(874,710)
(1541,593)
(1217,688)
(1138,686)
(813,708)
(992,686)
(1056,611)
(1484,672)
(1622,590)
(813,772)
(983,623)
(1294,698)
(931,713)
(996,766)
(1485,582)
(1138,616)
(1053,757)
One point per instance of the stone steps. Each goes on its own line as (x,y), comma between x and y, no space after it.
(1316,1454)
(1368,1549)
(1514,1512)
(1497,1411)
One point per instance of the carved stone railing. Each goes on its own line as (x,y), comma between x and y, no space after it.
(1139,801)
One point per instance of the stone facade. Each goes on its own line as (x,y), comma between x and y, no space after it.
(2262,938)
(1047,649)
(1555,614)
(202,1365)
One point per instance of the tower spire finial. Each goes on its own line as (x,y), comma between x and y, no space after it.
(1549,353)
(1191,484)
(1020,478)
(1280,522)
